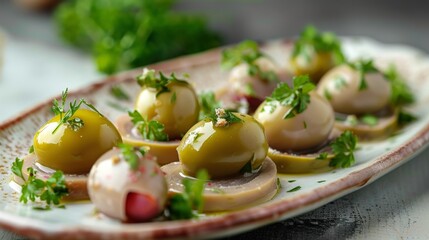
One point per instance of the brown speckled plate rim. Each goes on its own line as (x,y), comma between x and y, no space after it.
(224,224)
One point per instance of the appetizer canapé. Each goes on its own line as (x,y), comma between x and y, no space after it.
(232,148)
(299,127)
(363,98)
(70,142)
(314,53)
(253,75)
(165,109)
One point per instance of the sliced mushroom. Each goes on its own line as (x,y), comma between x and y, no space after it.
(165,152)
(233,193)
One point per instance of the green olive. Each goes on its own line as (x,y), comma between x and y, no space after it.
(74,151)
(341,86)
(223,151)
(305,131)
(316,64)
(177,109)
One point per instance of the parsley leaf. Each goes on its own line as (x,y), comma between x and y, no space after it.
(149,79)
(151,130)
(363,67)
(223,118)
(401,92)
(119,93)
(297,188)
(247,52)
(311,39)
(51,191)
(297,97)
(131,154)
(343,147)
(369,120)
(405,118)
(208,104)
(187,204)
(66,116)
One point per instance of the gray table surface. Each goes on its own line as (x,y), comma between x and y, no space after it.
(393,207)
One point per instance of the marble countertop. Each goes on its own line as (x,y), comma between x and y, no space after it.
(393,207)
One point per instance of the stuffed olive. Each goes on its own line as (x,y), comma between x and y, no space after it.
(223,146)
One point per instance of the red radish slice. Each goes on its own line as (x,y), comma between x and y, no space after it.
(141,207)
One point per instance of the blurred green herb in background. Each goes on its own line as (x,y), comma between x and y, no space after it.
(123,34)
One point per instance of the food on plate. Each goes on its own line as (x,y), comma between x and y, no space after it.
(70,142)
(299,125)
(232,148)
(253,75)
(126,183)
(363,98)
(314,53)
(164,111)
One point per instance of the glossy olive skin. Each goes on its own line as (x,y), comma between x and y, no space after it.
(305,131)
(74,152)
(341,87)
(223,151)
(318,64)
(177,109)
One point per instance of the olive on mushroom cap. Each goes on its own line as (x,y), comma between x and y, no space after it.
(168,100)
(223,146)
(353,91)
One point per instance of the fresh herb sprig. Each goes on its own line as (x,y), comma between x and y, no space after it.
(189,203)
(401,92)
(66,117)
(247,52)
(343,148)
(363,67)
(131,154)
(297,97)
(223,118)
(150,79)
(149,129)
(311,40)
(208,104)
(50,191)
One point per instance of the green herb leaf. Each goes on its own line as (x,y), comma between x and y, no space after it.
(322,156)
(369,120)
(151,130)
(291,181)
(119,93)
(297,188)
(321,181)
(187,204)
(405,118)
(297,97)
(401,92)
(311,40)
(343,148)
(363,67)
(66,116)
(224,118)
(31,149)
(208,104)
(131,154)
(247,52)
(133,33)
(160,83)
(50,191)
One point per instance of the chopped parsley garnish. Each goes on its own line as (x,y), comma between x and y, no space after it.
(66,117)
(291,181)
(208,104)
(297,188)
(149,79)
(369,120)
(131,154)
(31,149)
(151,130)
(173,98)
(50,191)
(343,148)
(405,118)
(224,118)
(247,52)
(311,40)
(363,67)
(401,92)
(322,156)
(297,97)
(321,181)
(119,93)
(189,203)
